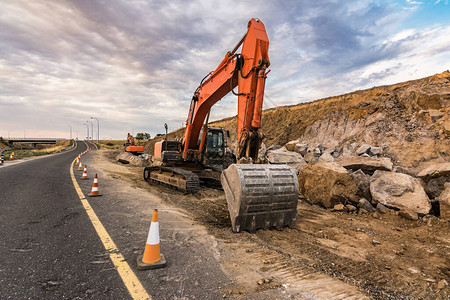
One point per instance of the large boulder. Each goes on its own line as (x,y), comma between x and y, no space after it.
(434,171)
(283,156)
(435,177)
(400,191)
(366,164)
(326,184)
(444,202)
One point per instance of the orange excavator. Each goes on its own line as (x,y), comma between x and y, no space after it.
(258,195)
(130,146)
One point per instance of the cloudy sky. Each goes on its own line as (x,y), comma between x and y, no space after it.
(134,65)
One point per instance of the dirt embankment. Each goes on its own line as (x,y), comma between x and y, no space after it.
(410,119)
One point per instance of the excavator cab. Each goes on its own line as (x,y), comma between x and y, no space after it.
(215,146)
(216,154)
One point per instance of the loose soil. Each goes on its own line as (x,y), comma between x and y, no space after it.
(328,255)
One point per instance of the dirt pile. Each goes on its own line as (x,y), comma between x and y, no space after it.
(134,160)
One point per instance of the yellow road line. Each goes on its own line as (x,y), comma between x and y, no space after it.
(130,280)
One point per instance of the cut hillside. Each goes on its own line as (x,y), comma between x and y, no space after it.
(410,120)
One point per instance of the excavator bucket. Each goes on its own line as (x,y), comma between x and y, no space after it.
(260,196)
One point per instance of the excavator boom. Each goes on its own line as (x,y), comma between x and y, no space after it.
(246,70)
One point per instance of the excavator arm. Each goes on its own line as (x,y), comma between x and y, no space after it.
(246,70)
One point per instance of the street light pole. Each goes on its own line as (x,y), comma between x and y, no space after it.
(92,131)
(87,130)
(70,126)
(98,129)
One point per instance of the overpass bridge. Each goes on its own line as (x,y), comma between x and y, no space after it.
(34,141)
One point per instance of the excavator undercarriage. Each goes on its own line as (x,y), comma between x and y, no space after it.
(178,178)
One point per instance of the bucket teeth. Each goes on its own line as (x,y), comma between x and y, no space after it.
(260,196)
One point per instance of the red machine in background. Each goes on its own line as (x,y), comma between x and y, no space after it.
(131,147)
(258,195)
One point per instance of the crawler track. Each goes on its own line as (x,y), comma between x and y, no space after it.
(177,178)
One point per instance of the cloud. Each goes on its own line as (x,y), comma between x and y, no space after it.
(135,64)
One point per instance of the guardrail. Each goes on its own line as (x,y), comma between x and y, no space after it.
(33,139)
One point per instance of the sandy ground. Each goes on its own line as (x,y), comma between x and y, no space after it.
(328,255)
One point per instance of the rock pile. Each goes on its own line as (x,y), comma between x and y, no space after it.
(143,160)
(361,179)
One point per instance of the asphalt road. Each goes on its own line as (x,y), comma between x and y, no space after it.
(50,249)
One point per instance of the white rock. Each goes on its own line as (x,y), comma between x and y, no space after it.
(367,164)
(262,151)
(283,156)
(400,191)
(326,157)
(375,151)
(349,149)
(363,149)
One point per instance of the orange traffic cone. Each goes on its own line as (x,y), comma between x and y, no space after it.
(84,173)
(1,162)
(80,166)
(78,161)
(94,191)
(11,157)
(152,257)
